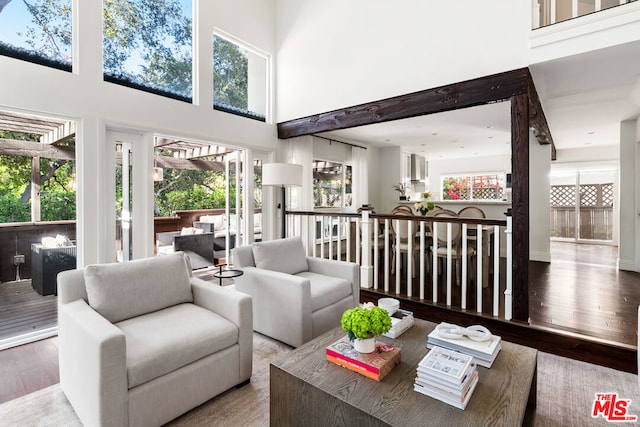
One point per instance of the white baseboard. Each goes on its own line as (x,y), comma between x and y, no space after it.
(540,256)
(626,265)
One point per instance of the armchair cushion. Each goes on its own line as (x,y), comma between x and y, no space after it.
(163,341)
(283,255)
(121,291)
(326,290)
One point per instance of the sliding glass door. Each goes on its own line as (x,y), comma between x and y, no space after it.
(582,205)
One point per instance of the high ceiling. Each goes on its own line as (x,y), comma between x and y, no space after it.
(584,97)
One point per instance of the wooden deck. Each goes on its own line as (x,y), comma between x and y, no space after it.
(23,310)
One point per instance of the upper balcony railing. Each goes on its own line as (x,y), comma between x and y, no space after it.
(548,12)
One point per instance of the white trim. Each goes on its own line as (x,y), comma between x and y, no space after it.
(28,337)
(540,256)
(586,24)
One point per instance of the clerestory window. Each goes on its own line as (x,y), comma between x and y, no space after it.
(37,31)
(147,45)
(240,79)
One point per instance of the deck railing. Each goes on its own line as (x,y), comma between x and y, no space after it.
(481,281)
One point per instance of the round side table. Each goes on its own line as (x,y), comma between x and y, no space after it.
(226,271)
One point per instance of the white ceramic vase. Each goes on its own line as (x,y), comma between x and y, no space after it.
(367,345)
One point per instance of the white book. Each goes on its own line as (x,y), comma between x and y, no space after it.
(480,348)
(400,322)
(435,387)
(460,403)
(425,377)
(446,364)
(484,361)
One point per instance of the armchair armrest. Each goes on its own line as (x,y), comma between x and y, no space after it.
(234,306)
(93,371)
(281,304)
(349,271)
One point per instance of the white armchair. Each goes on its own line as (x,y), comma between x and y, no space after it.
(142,342)
(295,297)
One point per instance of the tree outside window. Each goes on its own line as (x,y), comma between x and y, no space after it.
(37,31)
(332,184)
(239,80)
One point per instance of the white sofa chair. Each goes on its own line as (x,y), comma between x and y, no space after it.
(142,342)
(295,297)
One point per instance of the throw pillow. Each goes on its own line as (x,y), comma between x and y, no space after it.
(283,255)
(121,291)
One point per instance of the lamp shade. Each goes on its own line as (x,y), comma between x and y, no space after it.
(281,174)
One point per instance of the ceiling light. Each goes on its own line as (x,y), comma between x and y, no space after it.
(591,133)
(434,134)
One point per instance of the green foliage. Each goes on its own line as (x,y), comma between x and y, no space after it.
(51,33)
(58,206)
(157,32)
(231,76)
(57,195)
(12,209)
(183,189)
(362,322)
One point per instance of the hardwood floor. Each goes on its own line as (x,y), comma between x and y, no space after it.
(28,368)
(582,291)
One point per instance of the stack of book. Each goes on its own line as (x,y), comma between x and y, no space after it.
(484,352)
(375,365)
(448,376)
(400,322)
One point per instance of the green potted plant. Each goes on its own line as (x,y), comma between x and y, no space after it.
(363,324)
(425,205)
(402,188)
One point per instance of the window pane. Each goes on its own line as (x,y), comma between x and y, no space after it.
(148,46)
(332,183)
(474,187)
(239,80)
(37,31)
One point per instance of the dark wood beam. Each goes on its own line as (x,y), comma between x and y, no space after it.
(470,93)
(520,205)
(12,147)
(537,119)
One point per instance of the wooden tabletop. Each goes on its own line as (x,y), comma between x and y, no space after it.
(500,399)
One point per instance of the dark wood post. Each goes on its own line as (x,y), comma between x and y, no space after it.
(520,204)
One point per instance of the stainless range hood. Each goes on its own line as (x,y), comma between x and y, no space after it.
(418,168)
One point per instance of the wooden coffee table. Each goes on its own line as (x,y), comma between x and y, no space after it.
(306,389)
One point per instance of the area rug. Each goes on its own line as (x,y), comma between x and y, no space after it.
(565,395)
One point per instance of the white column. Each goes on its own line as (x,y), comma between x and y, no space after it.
(366,269)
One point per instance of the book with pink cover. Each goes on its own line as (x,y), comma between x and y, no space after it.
(375,365)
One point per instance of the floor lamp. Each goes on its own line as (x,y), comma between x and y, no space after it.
(282,175)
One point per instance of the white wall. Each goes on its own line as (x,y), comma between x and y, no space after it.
(332,54)
(629,195)
(96,105)
(539,201)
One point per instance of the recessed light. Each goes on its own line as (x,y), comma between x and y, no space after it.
(422,145)
(387,140)
(489,127)
(434,133)
(462,146)
(490,137)
(591,133)
(587,143)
